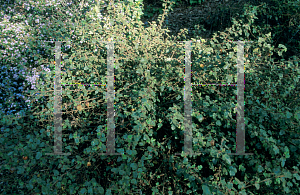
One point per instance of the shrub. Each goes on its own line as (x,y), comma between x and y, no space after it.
(282,19)
(149,107)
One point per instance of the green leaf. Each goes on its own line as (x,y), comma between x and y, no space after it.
(286,189)
(260,40)
(297,115)
(257,186)
(95,142)
(172,127)
(90,190)
(276,150)
(20,170)
(200,117)
(282,161)
(255,50)
(218,123)
(227,159)
(288,114)
(232,171)
(56,173)
(287,174)
(133,181)
(82,191)
(260,168)
(206,190)
(38,155)
(133,166)
(268,182)
(185,161)
(282,46)
(296,176)
(241,168)
(58,184)
(229,78)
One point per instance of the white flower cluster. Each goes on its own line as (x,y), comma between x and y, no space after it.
(12,46)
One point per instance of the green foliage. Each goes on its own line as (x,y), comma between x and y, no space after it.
(282,19)
(156,7)
(196,1)
(151,10)
(149,110)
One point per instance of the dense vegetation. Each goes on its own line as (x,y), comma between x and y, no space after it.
(149,102)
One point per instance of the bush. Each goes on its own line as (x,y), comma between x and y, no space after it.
(282,19)
(149,107)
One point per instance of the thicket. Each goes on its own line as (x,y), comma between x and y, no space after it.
(281,18)
(149,109)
